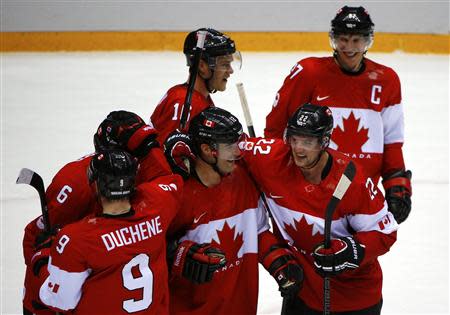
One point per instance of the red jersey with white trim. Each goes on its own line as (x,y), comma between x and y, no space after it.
(108,264)
(367,110)
(166,116)
(70,198)
(298,209)
(231,218)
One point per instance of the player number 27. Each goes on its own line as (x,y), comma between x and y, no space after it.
(144,282)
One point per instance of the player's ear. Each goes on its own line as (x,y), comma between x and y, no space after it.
(206,150)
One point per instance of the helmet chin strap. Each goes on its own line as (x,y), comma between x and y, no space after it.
(207,81)
(213,165)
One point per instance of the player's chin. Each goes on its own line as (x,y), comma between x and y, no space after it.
(229,166)
(300,161)
(222,86)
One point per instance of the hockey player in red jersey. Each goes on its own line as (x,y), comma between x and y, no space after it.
(221,209)
(114,261)
(365,98)
(298,177)
(70,197)
(219,60)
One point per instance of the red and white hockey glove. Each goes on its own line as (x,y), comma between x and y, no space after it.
(282,265)
(179,153)
(197,262)
(344,253)
(398,194)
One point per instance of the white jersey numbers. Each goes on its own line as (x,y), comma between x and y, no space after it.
(295,70)
(177,114)
(262,146)
(63,241)
(371,187)
(144,283)
(63,194)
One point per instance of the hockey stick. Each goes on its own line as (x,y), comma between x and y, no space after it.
(244,104)
(251,132)
(338,194)
(193,71)
(29,177)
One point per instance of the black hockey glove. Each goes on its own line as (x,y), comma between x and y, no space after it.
(178,151)
(127,131)
(398,194)
(344,253)
(282,265)
(196,262)
(39,260)
(45,238)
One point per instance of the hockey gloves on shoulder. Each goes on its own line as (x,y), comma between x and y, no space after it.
(197,262)
(345,253)
(282,265)
(398,194)
(178,151)
(127,131)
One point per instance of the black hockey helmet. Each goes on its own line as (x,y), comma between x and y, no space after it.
(215,125)
(216,44)
(115,173)
(311,120)
(115,129)
(352,20)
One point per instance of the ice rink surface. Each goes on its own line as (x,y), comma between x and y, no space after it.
(52,103)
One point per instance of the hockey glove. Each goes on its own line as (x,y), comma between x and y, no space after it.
(45,238)
(128,131)
(39,260)
(398,194)
(282,265)
(197,262)
(178,150)
(344,253)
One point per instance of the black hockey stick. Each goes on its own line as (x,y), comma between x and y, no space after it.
(193,71)
(251,133)
(338,194)
(27,176)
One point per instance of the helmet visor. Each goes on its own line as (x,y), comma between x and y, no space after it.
(307,143)
(351,42)
(230,62)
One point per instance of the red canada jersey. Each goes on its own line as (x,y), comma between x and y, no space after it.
(367,110)
(298,210)
(231,218)
(70,198)
(167,114)
(106,264)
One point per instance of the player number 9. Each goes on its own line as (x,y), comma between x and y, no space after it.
(144,282)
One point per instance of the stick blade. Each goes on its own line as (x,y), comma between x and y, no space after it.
(25,176)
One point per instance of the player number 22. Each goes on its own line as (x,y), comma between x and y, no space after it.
(144,282)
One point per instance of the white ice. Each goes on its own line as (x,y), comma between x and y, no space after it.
(52,103)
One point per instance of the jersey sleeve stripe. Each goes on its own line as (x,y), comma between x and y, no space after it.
(383,221)
(393,123)
(62,289)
